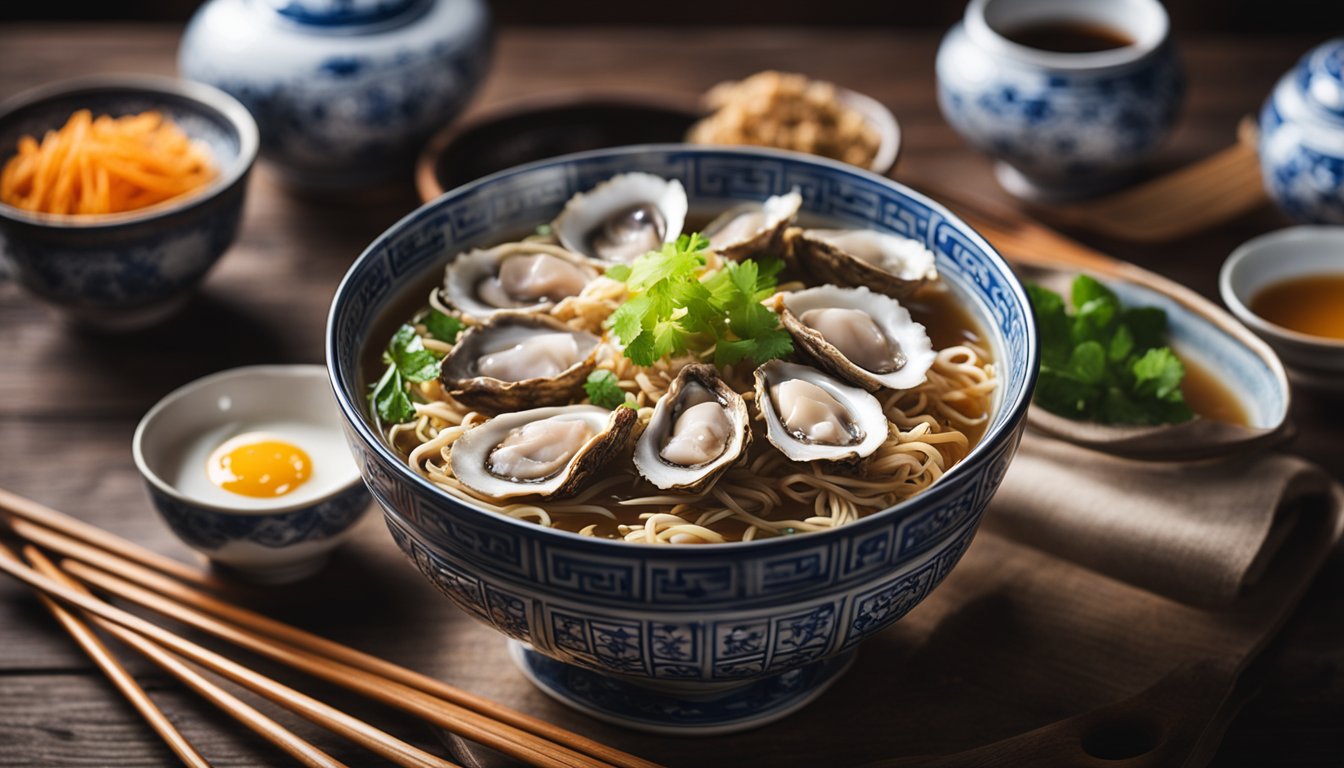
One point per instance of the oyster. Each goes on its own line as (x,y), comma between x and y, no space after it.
(890,264)
(622,218)
(698,430)
(542,451)
(514,276)
(748,229)
(865,338)
(810,416)
(518,360)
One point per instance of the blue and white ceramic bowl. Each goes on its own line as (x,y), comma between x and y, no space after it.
(265,540)
(674,639)
(1302,137)
(1061,124)
(345,91)
(127,270)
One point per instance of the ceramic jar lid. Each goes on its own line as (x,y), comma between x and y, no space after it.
(1319,81)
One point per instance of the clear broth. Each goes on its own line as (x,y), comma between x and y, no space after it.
(936,307)
(1209,398)
(1313,305)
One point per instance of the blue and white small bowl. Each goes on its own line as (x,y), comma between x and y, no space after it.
(1061,125)
(680,639)
(124,271)
(1301,140)
(272,540)
(345,91)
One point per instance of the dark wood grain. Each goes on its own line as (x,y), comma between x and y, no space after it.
(69,401)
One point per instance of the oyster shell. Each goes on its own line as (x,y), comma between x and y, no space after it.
(518,360)
(529,277)
(810,416)
(890,264)
(623,218)
(751,228)
(698,430)
(547,452)
(863,337)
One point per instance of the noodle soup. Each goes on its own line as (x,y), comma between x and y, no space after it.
(924,428)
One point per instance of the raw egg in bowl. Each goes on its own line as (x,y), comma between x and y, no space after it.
(248,467)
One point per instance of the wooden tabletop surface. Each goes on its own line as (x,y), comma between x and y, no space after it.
(69,400)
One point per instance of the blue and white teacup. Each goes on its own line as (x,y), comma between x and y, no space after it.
(1061,124)
(1302,137)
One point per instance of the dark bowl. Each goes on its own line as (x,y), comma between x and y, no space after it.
(539,127)
(127,270)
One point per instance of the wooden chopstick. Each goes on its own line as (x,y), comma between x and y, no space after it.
(116,673)
(383,744)
(32,511)
(127,559)
(300,750)
(505,738)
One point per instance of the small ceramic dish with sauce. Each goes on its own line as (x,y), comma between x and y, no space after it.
(248,467)
(1234,384)
(1288,286)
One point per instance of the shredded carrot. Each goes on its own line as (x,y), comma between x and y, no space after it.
(105,165)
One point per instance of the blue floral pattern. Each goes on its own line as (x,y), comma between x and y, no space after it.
(209,530)
(773,615)
(101,270)
(357,105)
(1301,141)
(1056,126)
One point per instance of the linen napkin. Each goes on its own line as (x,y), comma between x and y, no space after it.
(1198,532)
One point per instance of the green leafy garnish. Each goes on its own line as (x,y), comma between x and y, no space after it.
(605,390)
(671,310)
(1106,363)
(390,400)
(407,361)
(407,352)
(443,327)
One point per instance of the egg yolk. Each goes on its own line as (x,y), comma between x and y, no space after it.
(259,466)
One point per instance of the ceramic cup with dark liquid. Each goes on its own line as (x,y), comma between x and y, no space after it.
(1068,95)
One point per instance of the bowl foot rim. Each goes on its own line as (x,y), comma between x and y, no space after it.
(741,707)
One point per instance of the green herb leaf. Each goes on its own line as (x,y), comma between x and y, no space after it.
(390,400)
(1106,363)
(604,389)
(1159,372)
(670,310)
(407,352)
(443,327)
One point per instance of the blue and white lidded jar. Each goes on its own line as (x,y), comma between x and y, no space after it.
(1061,124)
(1302,137)
(345,92)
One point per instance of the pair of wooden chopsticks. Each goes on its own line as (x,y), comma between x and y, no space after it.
(121,568)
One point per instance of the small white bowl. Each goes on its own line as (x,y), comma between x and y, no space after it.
(1283,255)
(265,540)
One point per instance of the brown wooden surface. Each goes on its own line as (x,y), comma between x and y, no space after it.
(69,402)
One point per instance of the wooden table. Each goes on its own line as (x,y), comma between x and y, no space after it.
(69,400)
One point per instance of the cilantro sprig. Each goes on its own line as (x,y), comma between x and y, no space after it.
(407,361)
(1104,362)
(671,310)
(604,390)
